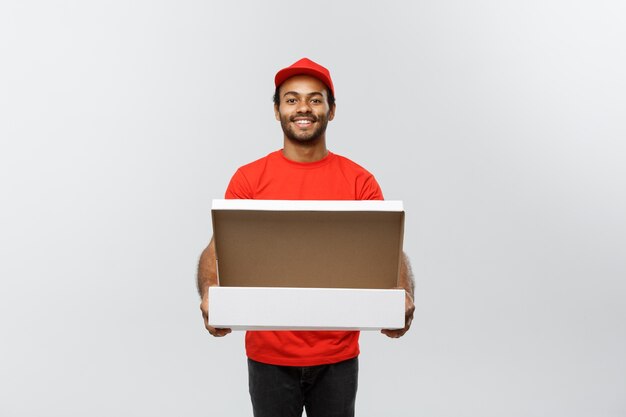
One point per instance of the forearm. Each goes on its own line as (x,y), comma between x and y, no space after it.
(406,279)
(207,276)
(407,282)
(207,269)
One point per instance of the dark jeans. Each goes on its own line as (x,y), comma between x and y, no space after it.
(324,390)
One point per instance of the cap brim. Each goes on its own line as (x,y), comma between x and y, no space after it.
(286,73)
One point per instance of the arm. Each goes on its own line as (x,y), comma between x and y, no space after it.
(407,282)
(207,277)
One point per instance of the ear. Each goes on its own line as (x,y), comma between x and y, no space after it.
(276,112)
(331,112)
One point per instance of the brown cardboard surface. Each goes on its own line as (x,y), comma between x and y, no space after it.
(308,249)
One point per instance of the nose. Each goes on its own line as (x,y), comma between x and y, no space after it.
(303,107)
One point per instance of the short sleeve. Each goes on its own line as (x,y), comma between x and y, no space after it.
(239,187)
(371,190)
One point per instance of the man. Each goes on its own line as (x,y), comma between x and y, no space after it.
(289,370)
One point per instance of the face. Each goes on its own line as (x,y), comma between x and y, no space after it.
(303,111)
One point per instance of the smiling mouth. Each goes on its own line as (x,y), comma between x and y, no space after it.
(303,123)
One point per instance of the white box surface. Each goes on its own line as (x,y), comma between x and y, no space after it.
(267,308)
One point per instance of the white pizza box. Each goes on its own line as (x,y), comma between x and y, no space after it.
(276,308)
(322,265)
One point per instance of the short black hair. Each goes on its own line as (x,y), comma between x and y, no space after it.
(331,97)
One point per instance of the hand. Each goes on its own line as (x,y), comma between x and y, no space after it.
(409,308)
(204,306)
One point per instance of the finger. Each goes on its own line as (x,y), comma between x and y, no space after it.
(221,332)
(408,318)
(218,331)
(408,321)
(394,334)
(205,316)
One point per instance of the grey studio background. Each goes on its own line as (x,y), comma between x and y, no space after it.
(499,123)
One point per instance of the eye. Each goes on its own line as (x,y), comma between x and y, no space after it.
(316,101)
(290,100)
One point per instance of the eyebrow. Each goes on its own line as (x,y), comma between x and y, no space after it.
(295,93)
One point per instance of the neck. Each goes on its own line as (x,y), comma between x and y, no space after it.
(305,151)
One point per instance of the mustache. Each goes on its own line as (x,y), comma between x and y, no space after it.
(306,115)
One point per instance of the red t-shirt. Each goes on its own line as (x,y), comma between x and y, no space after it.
(275,177)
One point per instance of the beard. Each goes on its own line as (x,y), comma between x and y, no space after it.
(304,136)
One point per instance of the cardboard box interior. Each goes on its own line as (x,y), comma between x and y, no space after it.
(316,247)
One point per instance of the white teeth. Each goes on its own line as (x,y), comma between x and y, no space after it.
(303,122)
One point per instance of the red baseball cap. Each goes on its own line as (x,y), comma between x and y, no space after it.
(305,67)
